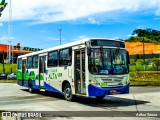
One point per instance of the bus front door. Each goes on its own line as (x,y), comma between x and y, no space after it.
(23,70)
(80,84)
(42,70)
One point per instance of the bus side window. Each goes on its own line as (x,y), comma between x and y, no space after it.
(65,57)
(19,63)
(35,61)
(53,58)
(29,62)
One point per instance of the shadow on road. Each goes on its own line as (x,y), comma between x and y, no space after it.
(48,94)
(108,101)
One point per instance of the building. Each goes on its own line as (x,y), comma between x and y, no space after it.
(15,51)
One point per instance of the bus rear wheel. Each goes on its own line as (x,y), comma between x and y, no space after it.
(68,92)
(30,87)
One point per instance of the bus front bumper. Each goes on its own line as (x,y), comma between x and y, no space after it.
(97,91)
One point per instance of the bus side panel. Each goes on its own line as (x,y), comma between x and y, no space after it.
(56,76)
(19,77)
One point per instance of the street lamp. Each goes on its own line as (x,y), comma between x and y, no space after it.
(60,34)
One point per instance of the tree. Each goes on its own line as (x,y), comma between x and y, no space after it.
(149,35)
(2,6)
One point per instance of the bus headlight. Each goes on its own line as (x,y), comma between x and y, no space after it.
(93,82)
(125,79)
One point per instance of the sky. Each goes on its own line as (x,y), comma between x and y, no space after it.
(35,23)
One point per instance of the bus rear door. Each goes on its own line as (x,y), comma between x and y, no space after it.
(23,70)
(42,70)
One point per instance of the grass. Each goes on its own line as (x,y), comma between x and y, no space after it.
(144,83)
(145,78)
(1,114)
(8,81)
(8,68)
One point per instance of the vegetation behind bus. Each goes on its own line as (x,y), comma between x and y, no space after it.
(138,76)
(8,68)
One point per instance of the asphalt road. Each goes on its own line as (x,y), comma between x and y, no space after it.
(17,98)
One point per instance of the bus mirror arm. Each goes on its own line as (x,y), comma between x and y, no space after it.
(88,51)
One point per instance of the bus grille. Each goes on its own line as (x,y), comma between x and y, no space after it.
(112,80)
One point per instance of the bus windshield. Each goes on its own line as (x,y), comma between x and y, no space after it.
(108,61)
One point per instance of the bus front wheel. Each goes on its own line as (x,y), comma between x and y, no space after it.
(100,97)
(68,92)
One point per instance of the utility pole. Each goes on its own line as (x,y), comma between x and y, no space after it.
(60,34)
(143,54)
(3,61)
(9,33)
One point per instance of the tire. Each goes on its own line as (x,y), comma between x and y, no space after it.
(100,97)
(30,87)
(68,92)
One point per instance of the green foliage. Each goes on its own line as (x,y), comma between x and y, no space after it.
(145,35)
(144,63)
(140,65)
(156,64)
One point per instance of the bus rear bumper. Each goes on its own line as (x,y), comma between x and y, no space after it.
(97,91)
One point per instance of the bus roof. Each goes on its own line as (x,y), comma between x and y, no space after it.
(79,42)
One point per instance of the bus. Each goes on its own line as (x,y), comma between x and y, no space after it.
(89,67)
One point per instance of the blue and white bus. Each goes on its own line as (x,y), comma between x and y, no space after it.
(88,67)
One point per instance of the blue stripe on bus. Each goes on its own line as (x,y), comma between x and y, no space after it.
(19,82)
(97,91)
(46,86)
(50,88)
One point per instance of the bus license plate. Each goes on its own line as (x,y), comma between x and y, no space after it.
(113,91)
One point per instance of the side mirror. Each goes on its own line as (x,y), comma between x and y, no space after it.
(128,60)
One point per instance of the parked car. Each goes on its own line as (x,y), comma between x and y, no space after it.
(3,76)
(12,76)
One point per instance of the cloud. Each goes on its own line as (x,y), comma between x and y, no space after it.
(158,12)
(1,24)
(81,37)
(4,39)
(140,27)
(93,20)
(43,31)
(53,39)
(130,35)
(46,11)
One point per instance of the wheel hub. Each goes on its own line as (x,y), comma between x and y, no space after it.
(68,91)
